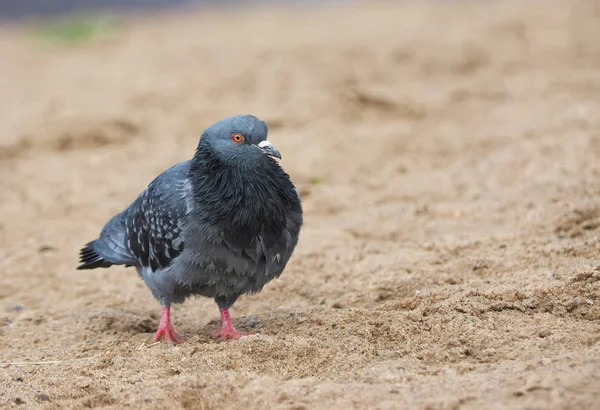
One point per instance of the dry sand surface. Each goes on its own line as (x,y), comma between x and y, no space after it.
(447,154)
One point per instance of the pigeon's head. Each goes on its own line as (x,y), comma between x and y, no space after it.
(240,140)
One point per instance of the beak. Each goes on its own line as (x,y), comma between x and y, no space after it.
(268,148)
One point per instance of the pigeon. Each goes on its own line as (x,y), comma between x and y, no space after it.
(220,225)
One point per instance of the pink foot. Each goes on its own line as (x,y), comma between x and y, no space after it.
(227,330)
(165,329)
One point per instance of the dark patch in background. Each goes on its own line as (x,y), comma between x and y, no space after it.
(16,9)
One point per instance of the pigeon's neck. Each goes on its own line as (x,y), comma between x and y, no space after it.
(242,195)
(209,168)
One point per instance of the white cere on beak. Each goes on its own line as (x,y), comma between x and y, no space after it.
(268,149)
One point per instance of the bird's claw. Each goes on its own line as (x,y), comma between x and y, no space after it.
(229,333)
(169,335)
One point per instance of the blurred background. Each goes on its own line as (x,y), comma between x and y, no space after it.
(447,156)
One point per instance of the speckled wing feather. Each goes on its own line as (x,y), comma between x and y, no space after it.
(155,220)
(148,232)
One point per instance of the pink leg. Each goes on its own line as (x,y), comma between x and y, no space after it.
(227,330)
(166,329)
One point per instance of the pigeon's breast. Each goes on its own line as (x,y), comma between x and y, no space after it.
(242,234)
(244,206)
(233,263)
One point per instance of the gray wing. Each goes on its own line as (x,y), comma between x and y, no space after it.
(148,232)
(154,221)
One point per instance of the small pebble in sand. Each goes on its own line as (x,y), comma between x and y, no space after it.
(251,321)
(15,307)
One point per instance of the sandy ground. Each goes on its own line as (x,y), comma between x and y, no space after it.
(447,154)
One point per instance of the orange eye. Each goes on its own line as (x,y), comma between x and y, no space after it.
(237,137)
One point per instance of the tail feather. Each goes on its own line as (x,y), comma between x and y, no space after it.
(90,259)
